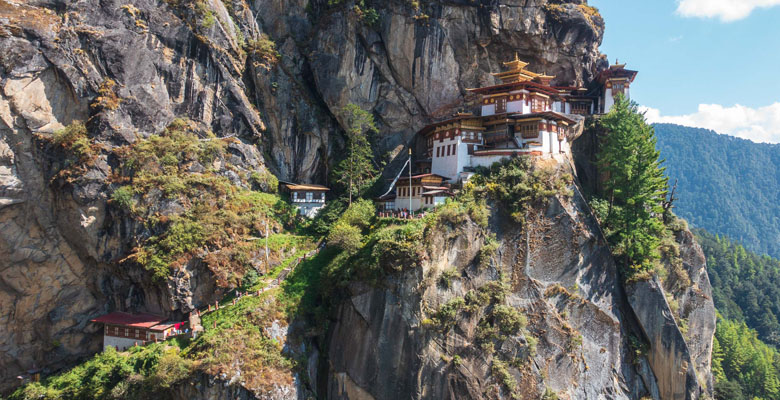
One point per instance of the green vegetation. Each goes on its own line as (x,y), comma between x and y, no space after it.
(239,339)
(631,204)
(447,276)
(549,394)
(744,285)
(204,13)
(743,366)
(123,197)
(518,185)
(501,373)
(139,373)
(263,51)
(364,12)
(215,212)
(748,301)
(368,15)
(508,319)
(726,185)
(356,172)
(107,98)
(446,316)
(74,141)
(265,181)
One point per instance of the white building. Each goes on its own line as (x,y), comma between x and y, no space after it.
(123,330)
(309,199)
(425,191)
(614,81)
(523,115)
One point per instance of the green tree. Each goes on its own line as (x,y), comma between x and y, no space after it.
(634,187)
(356,172)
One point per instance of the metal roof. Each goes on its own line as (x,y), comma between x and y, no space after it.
(134,320)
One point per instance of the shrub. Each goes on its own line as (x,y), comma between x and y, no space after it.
(518,185)
(265,181)
(359,214)
(398,246)
(575,342)
(73,138)
(160,253)
(549,394)
(486,252)
(501,372)
(446,277)
(107,98)
(123,198)
(207,18)
(346,237)
(495,291)
(485,335)
(509,320)
(263,51)
(476,299)
(447,314)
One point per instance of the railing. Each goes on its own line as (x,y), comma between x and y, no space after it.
(401,214)
(308,201)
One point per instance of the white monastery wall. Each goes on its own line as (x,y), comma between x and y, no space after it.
(446,165)
(121,343)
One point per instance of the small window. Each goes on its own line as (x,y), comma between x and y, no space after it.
(309,196)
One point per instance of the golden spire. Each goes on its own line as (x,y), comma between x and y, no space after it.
(516,72)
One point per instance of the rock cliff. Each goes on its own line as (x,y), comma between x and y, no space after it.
(586,338)
(274,75)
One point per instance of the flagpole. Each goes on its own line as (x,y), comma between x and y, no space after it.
(410,181)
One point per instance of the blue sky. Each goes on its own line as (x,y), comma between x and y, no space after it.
(707,63)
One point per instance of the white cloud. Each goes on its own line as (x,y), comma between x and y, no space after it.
(726,10)
(757,124)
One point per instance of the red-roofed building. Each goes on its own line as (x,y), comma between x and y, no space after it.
(123,330)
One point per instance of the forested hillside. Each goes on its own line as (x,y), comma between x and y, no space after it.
(744,285)
(726,185)
(745,360)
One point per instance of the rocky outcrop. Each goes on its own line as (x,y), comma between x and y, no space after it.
(564,280)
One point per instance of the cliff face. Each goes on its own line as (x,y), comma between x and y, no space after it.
(591,340)
(128,68)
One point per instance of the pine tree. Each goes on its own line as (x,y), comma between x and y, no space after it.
(634,186)
(356,172)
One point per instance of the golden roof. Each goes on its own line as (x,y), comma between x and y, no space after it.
(518,73)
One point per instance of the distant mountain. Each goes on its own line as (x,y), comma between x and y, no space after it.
(726,185)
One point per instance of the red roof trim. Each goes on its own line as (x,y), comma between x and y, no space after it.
(133,320)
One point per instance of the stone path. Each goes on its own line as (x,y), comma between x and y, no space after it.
(194,319)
